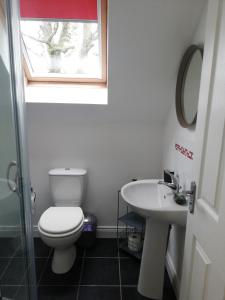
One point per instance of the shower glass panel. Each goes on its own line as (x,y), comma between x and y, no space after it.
(14,253)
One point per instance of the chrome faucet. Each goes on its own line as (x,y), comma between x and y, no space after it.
(174,184)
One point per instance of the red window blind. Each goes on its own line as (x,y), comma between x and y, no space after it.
(85,10)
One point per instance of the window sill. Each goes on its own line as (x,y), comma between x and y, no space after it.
(66,93)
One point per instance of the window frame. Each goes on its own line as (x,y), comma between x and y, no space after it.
(30,79)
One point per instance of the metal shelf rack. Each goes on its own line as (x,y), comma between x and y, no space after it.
(132,223)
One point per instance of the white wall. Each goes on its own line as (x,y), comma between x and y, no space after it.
(173,160)
(112,153)
(125,138)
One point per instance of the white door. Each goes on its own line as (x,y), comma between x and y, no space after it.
(204,258)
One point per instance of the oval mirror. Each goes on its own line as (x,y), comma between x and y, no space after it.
(188,84)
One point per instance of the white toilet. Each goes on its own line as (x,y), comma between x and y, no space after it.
(61,225)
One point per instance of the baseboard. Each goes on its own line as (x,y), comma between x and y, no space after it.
(107,231)
(102,231)
(175,281)
(9,231)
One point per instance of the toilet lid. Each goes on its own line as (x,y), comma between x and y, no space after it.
(61,219)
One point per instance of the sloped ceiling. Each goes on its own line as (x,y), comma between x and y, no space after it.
(146,41)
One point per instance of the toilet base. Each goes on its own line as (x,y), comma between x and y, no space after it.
(63,259)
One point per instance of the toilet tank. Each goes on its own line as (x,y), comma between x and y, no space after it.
(67,186)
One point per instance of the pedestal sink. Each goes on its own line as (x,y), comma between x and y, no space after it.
(155,202)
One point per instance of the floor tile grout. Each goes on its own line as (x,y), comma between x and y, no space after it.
(17,249)
(10,258)
(44,268)
(17,291)
(119,266)
(7,266)
(10,285)
(83,285)
(102,257)
(45,257)
(81,274)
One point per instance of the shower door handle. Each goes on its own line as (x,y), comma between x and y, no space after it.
(13,184)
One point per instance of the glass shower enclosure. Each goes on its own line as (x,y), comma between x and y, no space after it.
(17,274)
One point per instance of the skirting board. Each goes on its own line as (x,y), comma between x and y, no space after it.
(102,231)
(175,281)
(10,231)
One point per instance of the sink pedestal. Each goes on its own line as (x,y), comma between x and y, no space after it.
(155,202)
(151,276)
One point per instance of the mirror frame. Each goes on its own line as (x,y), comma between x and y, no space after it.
(181,78)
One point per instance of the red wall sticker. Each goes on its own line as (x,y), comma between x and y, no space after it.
(184,151)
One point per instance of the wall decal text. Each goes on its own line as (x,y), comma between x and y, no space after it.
(184,151)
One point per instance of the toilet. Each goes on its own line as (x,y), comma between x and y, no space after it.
(61,225)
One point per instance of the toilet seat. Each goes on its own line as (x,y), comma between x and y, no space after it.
(61,221)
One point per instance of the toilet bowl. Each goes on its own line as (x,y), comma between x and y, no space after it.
(61,226)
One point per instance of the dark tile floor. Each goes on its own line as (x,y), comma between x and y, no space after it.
(12,269)
(99,273)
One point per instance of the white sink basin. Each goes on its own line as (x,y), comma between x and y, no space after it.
(154,200)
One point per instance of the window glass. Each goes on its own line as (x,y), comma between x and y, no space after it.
(62,48)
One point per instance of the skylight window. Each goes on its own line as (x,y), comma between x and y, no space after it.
(64,42)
